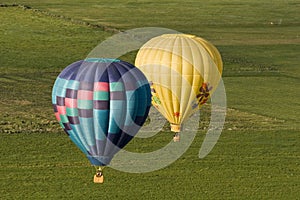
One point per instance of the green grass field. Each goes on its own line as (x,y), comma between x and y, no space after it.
(257,155)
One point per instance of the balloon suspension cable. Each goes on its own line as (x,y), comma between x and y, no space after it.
(98,177)
(99,170)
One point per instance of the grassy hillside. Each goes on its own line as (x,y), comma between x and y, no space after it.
(257,154)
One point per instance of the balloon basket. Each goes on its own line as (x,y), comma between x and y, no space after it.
(176,137)
(176,128)
(98,177)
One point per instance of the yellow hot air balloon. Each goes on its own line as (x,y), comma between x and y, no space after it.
(183,71)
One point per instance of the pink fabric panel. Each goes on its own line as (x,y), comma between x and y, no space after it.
(85,95)
(101,86)
(61,110)
(57,115)
(71,103)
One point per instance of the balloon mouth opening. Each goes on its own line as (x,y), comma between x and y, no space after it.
(99,160)
(175,128)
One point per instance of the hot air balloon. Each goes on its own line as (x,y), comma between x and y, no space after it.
(183,71)
(101,104)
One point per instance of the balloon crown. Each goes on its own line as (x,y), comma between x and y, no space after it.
(178,35)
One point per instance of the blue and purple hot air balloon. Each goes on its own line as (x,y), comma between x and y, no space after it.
(101,104)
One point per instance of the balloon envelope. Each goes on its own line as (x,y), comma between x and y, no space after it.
(183,71)
(101,104)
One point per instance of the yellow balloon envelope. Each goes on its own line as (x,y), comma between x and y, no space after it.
(183,71)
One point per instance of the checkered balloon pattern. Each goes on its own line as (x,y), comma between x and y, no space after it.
(101,104)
